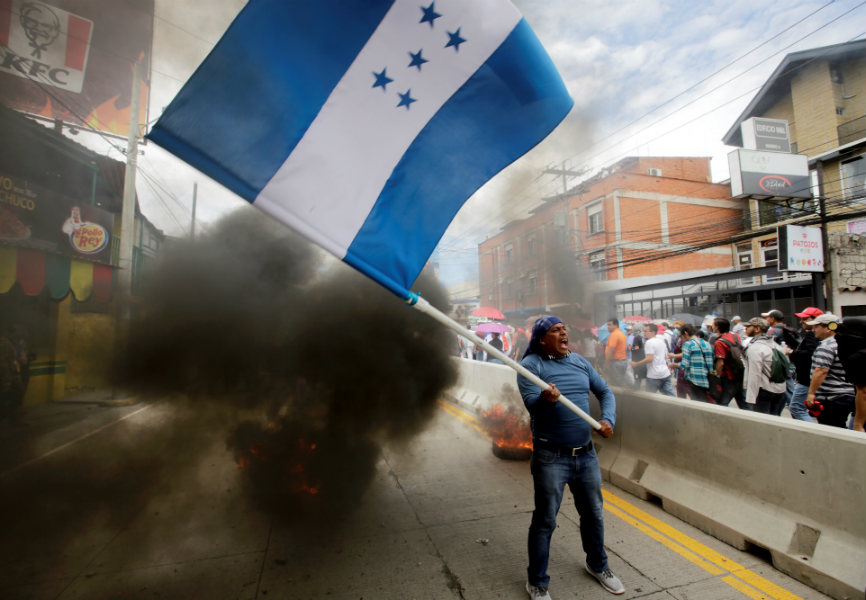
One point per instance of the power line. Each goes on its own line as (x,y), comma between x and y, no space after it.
(525,203)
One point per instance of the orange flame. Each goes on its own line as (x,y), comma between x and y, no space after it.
(506,428)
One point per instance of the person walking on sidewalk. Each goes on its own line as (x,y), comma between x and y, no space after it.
(830,392)
(696,360)
(801,358)
(725,347)
(615,352)
(563,452)
(11,386)
(658,374)
(763,394)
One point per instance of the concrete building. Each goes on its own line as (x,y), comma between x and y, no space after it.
(641,221)
(821,94)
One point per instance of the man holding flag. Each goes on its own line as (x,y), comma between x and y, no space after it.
(415,104)
(562,452)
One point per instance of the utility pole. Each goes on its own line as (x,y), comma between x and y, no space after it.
(127,220)
(819,280)
(194,201)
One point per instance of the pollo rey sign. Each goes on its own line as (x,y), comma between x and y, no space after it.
(34,217)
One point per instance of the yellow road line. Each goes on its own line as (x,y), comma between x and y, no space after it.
(753,579)
(740,578)
(742,587)
(462,416)
(687,554)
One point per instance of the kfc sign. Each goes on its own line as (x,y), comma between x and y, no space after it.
(44,44)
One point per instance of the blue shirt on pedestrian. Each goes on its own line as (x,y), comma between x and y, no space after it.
(574,377)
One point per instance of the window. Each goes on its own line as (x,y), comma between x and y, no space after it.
(594,216)
(532,284)
(853,173)
(509,251)
(597,265)
(780,210)
(744,261)
(531,246)
(770,253)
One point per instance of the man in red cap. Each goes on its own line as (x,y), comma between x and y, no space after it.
(801,358)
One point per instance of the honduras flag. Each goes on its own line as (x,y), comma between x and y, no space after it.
(366,124)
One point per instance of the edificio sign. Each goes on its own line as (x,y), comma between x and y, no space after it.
(766,134)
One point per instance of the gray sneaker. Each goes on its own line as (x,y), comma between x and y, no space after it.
(537,593)
(608,580)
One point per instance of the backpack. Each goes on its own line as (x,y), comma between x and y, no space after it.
(735,359)
(779,368)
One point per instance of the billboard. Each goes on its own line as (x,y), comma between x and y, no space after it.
(800,249)
(73,59)
(757,174)
(34,217)
(765,134)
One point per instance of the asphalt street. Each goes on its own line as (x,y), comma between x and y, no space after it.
(125,498)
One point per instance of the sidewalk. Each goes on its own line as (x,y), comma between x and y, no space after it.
(49,425)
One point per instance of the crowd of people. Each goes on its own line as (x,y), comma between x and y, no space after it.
(761,364)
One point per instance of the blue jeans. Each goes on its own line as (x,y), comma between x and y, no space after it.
(734,391)
(617,370)
(660,386)
(769,402)
(798,404)
(788,393)
(550,472)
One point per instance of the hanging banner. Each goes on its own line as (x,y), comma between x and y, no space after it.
(73,59)
(800,249)
(34,217)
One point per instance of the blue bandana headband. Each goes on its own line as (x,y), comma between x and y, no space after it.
(539,330)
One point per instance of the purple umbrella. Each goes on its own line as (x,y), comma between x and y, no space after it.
(492,328)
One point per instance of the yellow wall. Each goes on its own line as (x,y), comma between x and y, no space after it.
(83,350)
(86,342)
(814,109)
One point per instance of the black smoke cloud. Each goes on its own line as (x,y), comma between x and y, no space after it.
(324,365)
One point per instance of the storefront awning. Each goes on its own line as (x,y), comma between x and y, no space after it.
(34,270)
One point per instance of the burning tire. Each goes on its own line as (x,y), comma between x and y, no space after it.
(511,452)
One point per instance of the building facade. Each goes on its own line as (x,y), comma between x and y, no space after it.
(639,221)
(821,94)
(60,209)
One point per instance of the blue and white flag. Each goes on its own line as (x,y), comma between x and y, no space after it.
(365,125)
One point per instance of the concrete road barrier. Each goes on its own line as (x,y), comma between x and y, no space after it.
(796,490)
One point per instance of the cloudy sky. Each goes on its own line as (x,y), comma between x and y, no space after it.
(649,78)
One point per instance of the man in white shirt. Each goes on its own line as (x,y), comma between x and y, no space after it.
(737,326)
(658,375)
(764,395)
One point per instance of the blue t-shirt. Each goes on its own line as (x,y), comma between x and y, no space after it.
(574,377)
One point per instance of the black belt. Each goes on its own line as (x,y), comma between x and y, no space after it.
(563,450)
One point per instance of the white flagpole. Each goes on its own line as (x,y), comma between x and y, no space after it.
(429,309)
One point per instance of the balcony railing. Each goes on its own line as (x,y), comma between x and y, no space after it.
(852,130)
